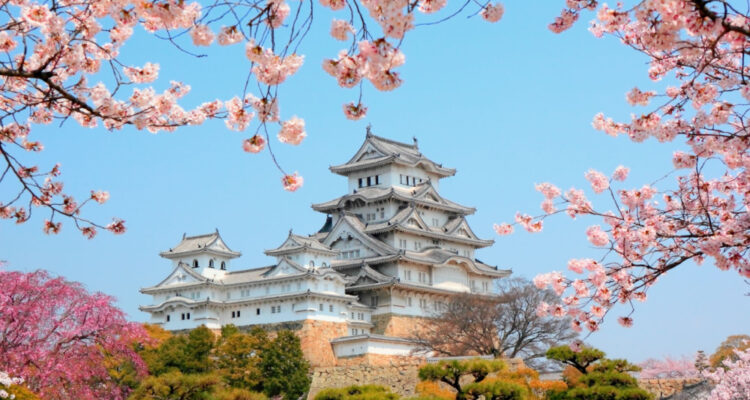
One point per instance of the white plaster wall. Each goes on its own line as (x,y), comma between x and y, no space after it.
(353,178)
(451,277)
(365,346)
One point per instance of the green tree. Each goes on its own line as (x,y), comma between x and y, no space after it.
(238,359)
(188,354)
(364,392)
(601,379)
(175,385)
(284,368)
(452,372)
(496,390)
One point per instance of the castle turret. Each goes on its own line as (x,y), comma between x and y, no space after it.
(206,254)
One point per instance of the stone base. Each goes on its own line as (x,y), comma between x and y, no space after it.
(396,325)
(399,377)
(666,387)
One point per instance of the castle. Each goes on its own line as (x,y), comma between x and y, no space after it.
(391,251)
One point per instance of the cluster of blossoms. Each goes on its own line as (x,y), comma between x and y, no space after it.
(648,232)
(54,53)
(57,336)
(7,381)
(732,379)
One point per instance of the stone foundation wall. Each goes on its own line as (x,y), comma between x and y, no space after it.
(402,326)
(400,376)
(666,387)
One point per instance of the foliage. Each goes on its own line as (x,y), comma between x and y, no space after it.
(507,325)
(57,336)
(733,380)
(451,372)
(579,360)
(238,359)
(700,48)
(495,390)
(175,385)
(668,367)
(596,377)
(284,368)
(727,349)
(432,390)
(364,392)
(237,394)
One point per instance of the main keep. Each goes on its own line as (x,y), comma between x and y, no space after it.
(391,252)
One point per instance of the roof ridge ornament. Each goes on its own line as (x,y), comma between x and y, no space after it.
(369,130)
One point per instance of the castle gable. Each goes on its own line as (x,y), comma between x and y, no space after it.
(349,228)
(285,267)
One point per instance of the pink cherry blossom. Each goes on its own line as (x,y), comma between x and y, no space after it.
(202,35)
(620,174)
(493,12)
(341,29)
(254,145)
(598,180)
(100,196)
(292,182)
(292,131)
(503,229)
(355,112)
(597,236)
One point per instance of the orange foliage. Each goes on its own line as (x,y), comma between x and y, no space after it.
(571,376)
(428,388)
(529,379)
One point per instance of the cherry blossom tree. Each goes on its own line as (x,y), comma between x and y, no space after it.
(55,335)
(669,367)
(733,380)
(699,48)
(54,54)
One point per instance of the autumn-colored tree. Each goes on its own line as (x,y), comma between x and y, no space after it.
(238,358)
(727,349)
(698,49)
(56,336)
(363,392)
(454,373)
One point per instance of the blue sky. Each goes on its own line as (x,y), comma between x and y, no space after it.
(508,105)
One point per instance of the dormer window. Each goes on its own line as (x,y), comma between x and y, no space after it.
(223,265)
(195,263)
(210,263)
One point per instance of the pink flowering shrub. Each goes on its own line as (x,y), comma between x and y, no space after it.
(55,335)
(668,368)
(702,216)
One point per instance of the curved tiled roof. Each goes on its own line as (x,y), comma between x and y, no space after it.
(390,151)
(211,242)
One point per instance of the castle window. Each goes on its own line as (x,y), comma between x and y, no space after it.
(330,307)
(167,317)
(195,263)
(377,179)
(257,311)
(354,332)
(320,306)
(423,303)
(408,301)
(183,316)
(485,286)
(210,263)
(232,314)
(382,212)
(408,274)
(402,243)
(223,265)
(417,245)
(369,181)
(422,277)
(360,182)
(374,301)
(352,314)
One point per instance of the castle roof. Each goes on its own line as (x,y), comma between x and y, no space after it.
(377,151)
(408,220)
(296,243)
(192,245)
(423,194)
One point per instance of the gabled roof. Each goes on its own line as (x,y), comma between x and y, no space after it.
(285,265)
(209,243)
(408,220)
(368,275)
(181,272)
(296,243)
(350,225)
(424,194)
(377,151)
